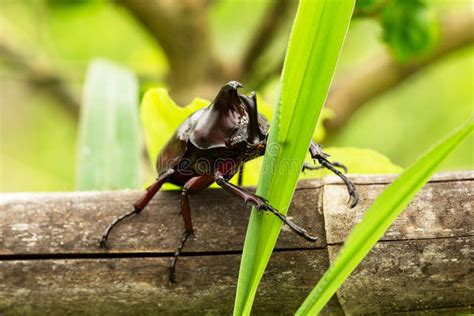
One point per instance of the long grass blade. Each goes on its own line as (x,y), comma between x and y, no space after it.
(378,218)
(315,43)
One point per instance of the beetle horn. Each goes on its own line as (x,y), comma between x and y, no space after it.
(234,85)
(254,133)
(228,95)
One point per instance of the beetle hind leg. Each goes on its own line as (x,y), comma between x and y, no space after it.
(307,166)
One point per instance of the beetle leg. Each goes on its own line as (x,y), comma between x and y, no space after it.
(318,154)
(172,269)
(192,185)
(307,166)
(138,206)
(261,204)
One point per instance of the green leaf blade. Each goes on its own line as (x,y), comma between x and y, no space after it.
(316,39)
(378,218)
(109,135)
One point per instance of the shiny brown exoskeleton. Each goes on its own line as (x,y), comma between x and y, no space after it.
(211,145)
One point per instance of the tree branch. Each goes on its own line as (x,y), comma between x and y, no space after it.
(41,78)
(181,29)
(351,91)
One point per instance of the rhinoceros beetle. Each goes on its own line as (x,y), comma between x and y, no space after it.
(211,145)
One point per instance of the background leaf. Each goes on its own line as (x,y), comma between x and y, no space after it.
(161,116)
(410,28)
(378,218)
(109,134)
(314,46)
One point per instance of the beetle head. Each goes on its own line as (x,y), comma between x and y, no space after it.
(234,114)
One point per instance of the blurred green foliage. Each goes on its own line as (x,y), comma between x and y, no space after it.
(418,113)
(38,134)
(109,135)
(410,28)
(368,7)
(37,144)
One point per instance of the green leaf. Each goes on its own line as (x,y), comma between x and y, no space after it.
(314,46)
(161,116)
(378,218)
(109,134)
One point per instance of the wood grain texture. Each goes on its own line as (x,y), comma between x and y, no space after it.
(73,222)
(443,208)
(139,286)
(410,275)
(50,262)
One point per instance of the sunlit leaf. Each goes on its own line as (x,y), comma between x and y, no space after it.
(378,218)
(161,116)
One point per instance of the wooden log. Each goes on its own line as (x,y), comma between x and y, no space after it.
(50,262)
(443,208)
(420,274)
(139,286)
(73,222)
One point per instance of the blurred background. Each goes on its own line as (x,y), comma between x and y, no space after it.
(402,83)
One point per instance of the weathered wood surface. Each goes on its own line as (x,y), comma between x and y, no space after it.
(418,274)
(443,208)
(73,222)
(50,262)
(139,286)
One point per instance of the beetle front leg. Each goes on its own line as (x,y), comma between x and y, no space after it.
(318,154)
(307,166)
(138,206)
(261,204)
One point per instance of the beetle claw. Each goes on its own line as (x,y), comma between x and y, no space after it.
(103,242)
(354,198)
(318,154)
(262,204)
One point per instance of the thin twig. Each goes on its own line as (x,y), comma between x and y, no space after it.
(264,35)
